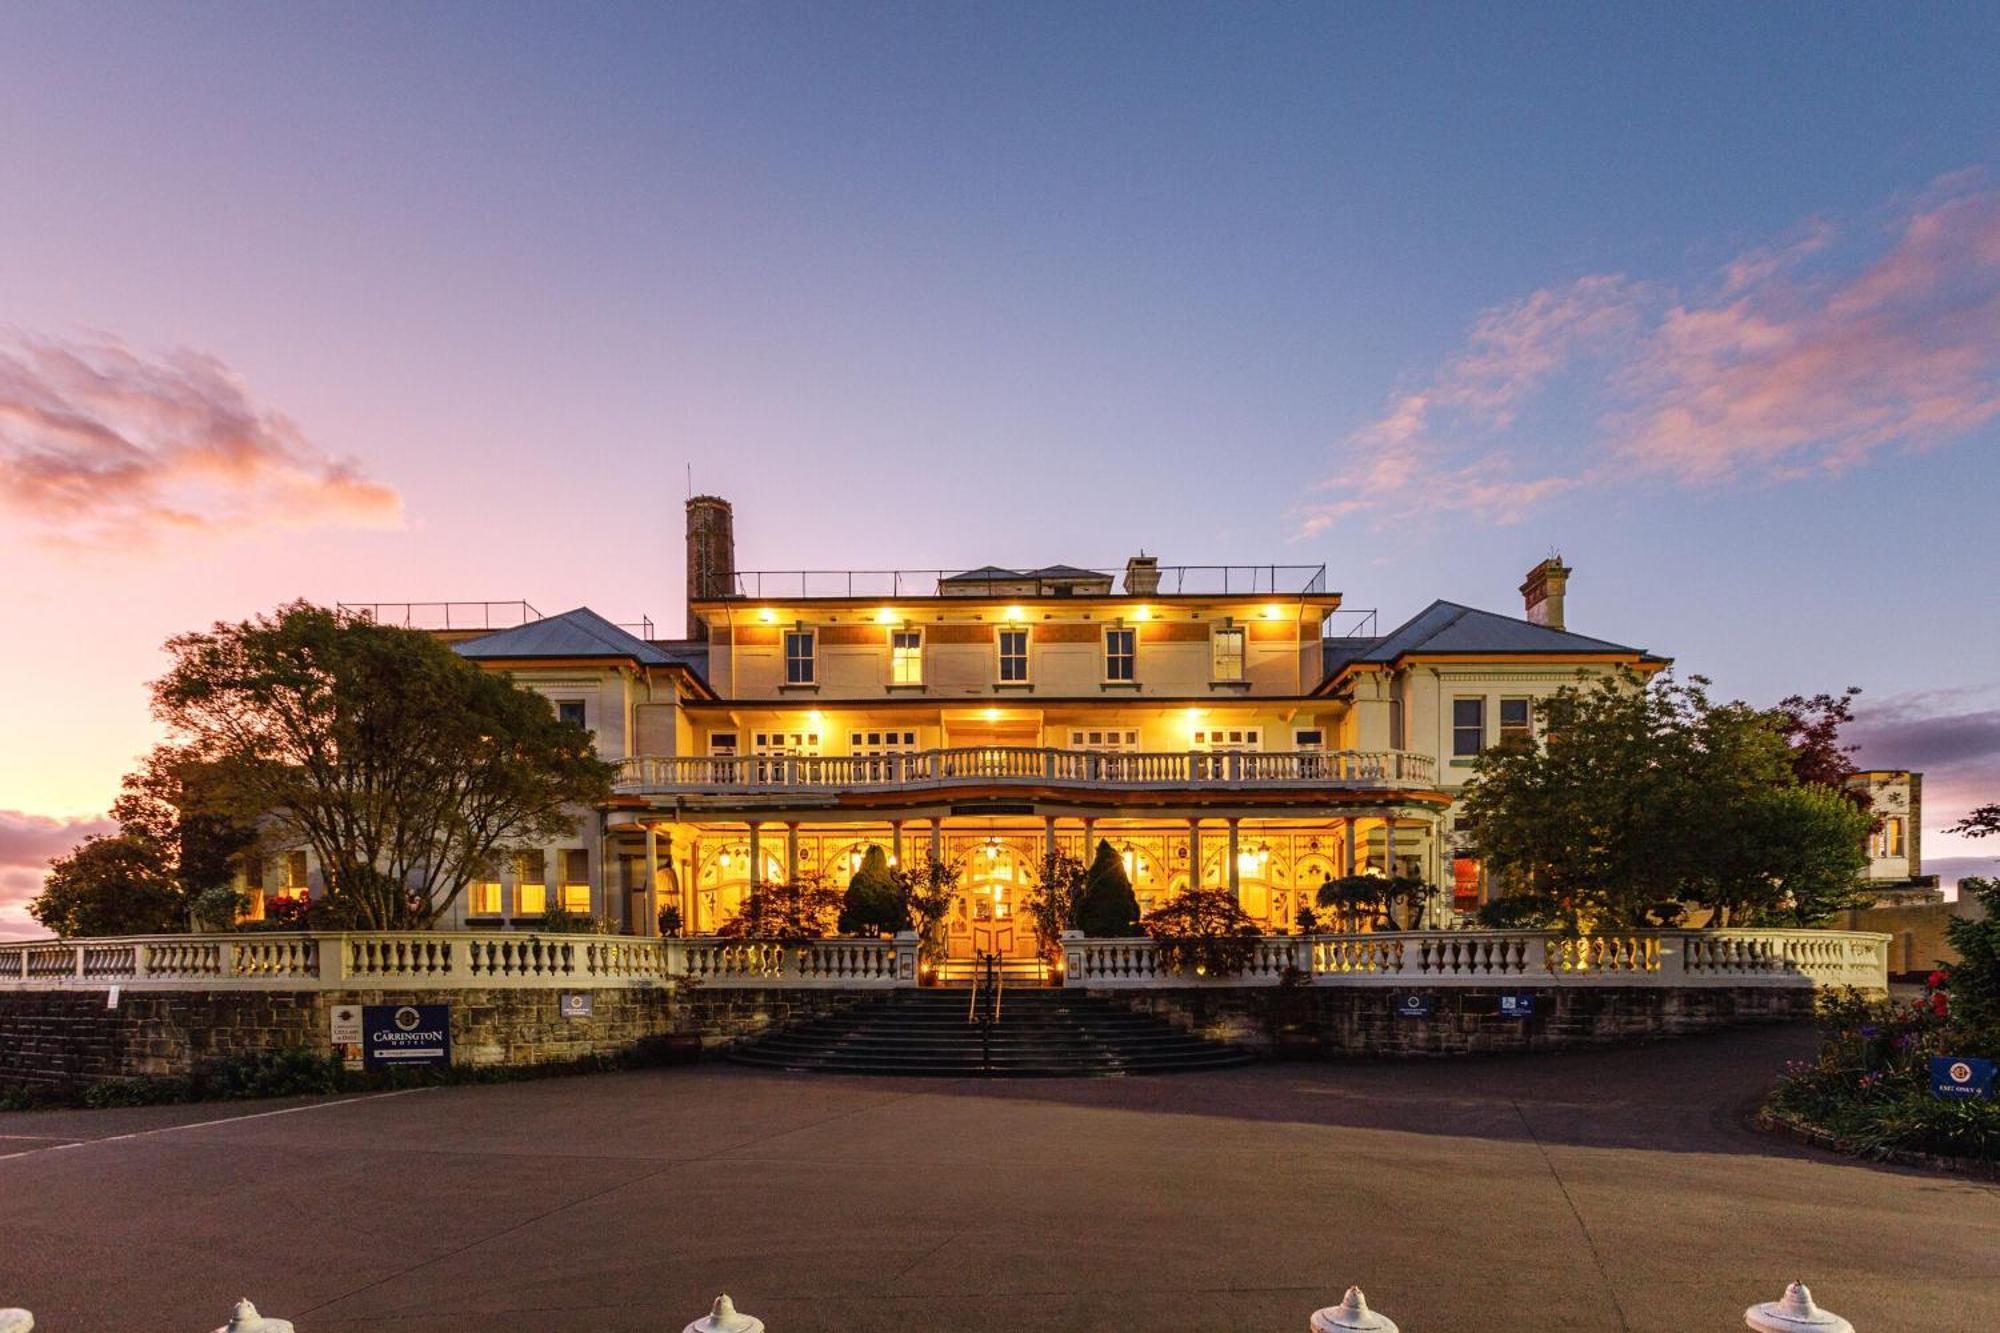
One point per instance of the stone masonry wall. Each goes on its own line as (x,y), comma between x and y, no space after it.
(1360,1021)
(70,1038)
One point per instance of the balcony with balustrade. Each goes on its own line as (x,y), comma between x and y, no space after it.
(1030,769)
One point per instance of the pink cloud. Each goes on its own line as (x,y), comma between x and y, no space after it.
(100,446)
(27,843)
(1789,360)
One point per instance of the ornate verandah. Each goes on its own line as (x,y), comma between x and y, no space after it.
(704,865)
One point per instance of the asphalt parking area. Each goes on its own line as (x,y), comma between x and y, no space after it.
(1607,1190)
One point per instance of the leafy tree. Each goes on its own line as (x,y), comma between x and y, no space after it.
(1811,728)
(1975,977)
(1983,822)
(115,885)
(1206,930)
(403,766)
(806,908)
(1107,906)
(1053,901)
(1648,793)
(1805,856)
(873,902)
(928,892)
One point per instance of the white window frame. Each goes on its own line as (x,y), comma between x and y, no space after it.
(582,710)
(877,741)
(810,659)
(1130,658)
(1218,670)
(1219,740)
(906,657)
(522,883)
(1001,655)
(1315,745)
(1526,727)
(1109,740)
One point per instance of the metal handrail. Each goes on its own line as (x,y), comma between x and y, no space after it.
(1173,580)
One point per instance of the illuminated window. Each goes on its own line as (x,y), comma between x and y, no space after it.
(1515,727)
(881,742)
(576,880)
(1121,654)
(1013,645)
(531,890)
(485,896)
(799,659)
(297,879)
(906,657)
(1889,838)
(1464,883)
(570,711)
(1468,726)
(1227,642)
(1104,739)
(1229,738)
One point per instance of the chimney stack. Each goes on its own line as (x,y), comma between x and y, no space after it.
(1142,575)
(1542,594)
(711,556)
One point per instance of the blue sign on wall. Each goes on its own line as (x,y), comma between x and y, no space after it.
(405,1034)
(1521,1004)
(578,1004)
(1962,1077)
(1413,1006)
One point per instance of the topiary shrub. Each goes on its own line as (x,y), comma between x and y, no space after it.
(1107,907)
(873,902)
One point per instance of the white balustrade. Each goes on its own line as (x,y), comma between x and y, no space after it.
(695,774)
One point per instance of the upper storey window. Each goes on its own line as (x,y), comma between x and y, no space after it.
(1121,654)
(570,711)
(1013,662)
(1468,727)
(1228,646)
(801,661)
(1516,728)
(906,657)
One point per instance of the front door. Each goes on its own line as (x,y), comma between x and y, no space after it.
(988,916)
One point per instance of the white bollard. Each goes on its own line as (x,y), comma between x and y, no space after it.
(724,1319)
(16,1321)
(1795,1313)
(245,1319)
(1351,1316)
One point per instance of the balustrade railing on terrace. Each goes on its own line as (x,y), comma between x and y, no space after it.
(446,960)
(1027,765)
(1174,581)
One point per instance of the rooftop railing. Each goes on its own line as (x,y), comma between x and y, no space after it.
(1174,581)
(442,615)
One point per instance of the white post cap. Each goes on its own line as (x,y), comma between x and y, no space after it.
(16,1321)
(245,1319)
(1796,1313)
(1350,1315)
(724,1319)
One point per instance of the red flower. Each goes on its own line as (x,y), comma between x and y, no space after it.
(1938,1004)
(1938,979)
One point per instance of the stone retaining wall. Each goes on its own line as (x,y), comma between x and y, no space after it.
(66,1039)
(1358,1021)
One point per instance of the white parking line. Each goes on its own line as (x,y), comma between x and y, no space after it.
(203,1124)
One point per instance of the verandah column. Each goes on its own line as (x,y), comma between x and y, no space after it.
(1194,853)
(1235,870)
(651,926)
(1048,835)
(756,871)
(791,852)
(1347,846)
(896,843)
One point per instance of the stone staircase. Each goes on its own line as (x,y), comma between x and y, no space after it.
(1041,1033)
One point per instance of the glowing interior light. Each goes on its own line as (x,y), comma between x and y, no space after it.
(1143,613)
(767,615)
(885,616)
(992,715)
(1015,613)
(1270,613)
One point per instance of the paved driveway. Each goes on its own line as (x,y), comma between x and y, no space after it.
(1612,1190)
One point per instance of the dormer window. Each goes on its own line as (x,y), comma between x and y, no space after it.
(801,664)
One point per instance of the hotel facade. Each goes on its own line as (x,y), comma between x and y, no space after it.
(1210,723)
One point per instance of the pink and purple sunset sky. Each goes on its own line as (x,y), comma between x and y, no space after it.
(407,304)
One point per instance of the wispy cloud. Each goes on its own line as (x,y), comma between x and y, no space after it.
(101,446)
(27,843)
(1787,360)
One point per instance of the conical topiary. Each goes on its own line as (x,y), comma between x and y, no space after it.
(873,903)
(1107,906)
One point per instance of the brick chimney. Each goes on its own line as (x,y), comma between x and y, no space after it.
(1542,594)
(711,556)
